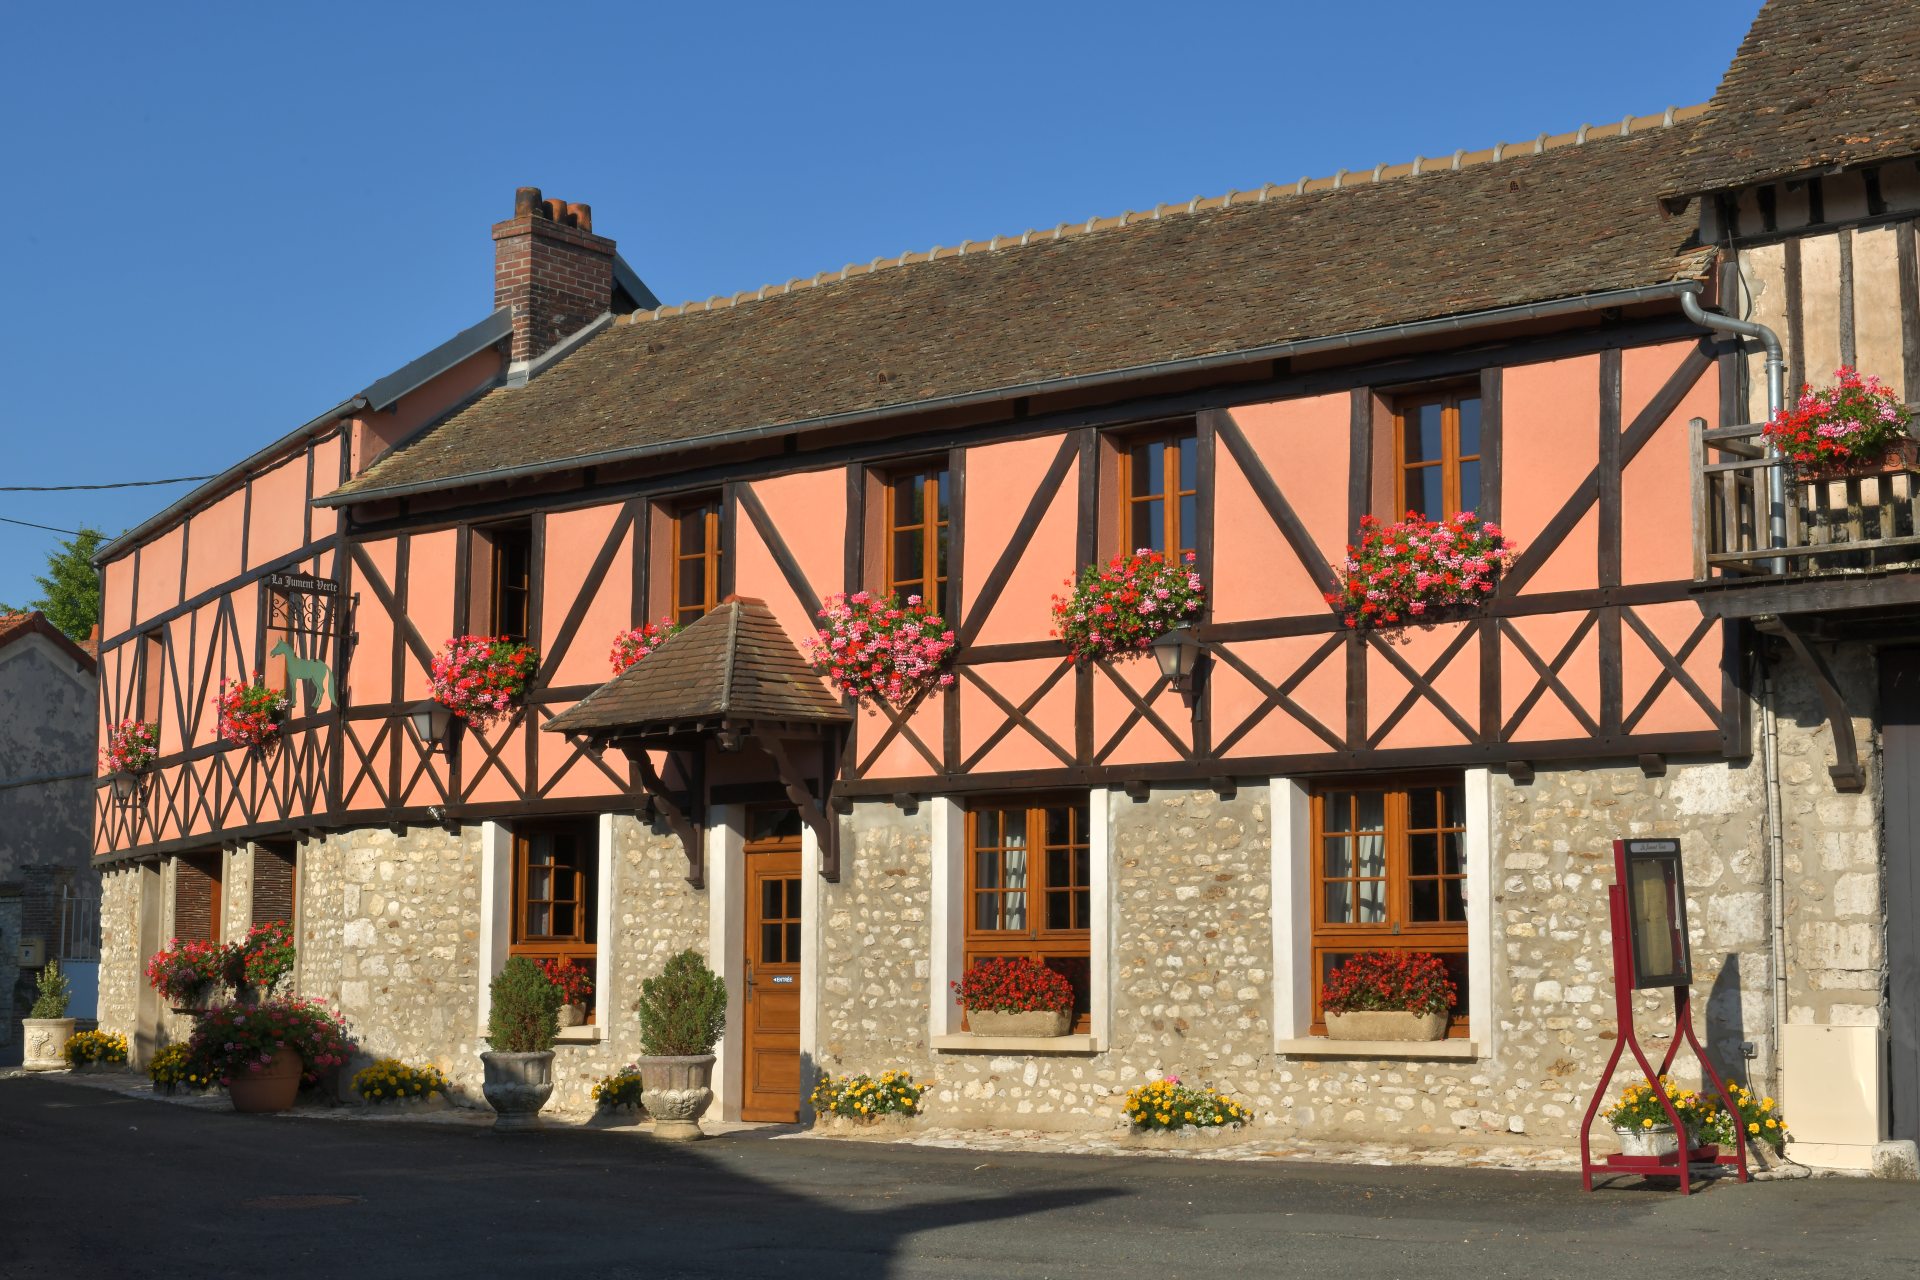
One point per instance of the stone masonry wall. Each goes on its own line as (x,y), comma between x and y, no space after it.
(874,966)
(122,967)
(1190,973)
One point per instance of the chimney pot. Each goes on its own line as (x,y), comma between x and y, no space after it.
(554,210)
(553,282)
(524,200)
(582,216)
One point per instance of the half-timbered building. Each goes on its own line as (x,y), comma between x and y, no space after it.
(1532,331)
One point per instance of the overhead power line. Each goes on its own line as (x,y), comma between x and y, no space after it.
(68,488)
(31,525)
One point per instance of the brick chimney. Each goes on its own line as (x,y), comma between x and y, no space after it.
(551,269)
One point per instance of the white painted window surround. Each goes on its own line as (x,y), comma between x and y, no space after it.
(496,923)
(947,912)
(1292,870)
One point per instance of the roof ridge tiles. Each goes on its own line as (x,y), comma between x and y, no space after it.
(1344,179)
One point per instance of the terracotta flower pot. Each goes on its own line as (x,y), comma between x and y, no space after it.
(1026,1024)
(1386,1024)
(677,1092)
(271,1088)
(517,1085)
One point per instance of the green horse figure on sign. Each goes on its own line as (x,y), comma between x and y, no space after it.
(309,669)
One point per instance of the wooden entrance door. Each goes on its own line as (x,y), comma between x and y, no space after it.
(772,1014)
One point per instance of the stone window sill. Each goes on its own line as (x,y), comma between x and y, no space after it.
(584,1034)
(1417,1050)
(969,1043)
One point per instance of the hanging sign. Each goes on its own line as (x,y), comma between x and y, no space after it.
(301,604)
(1656,893)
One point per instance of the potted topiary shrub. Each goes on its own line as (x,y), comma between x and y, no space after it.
(46,1028)
(683,1013)
(1388,995)
(522,1025)
(1015,996)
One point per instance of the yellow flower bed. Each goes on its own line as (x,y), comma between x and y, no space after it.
(621,1089)
(1167,1104)
(391,1080)
(860,1096)
(173,1067)
(96,1046)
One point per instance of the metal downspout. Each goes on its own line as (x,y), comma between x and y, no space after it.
(1769,724)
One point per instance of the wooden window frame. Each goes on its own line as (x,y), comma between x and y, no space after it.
(152,693)
(1398,931)
(1037,941)
(1168,495)
(933,528)
(582,946)
(679,609)
(500,620)
(1451,459)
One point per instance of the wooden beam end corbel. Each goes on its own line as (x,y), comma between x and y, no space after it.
(1521,772)
(1653,765)
(1138,790)
(906,802)
(1224,788)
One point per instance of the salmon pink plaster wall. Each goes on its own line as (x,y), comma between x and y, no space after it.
(809,512)
(276,523)
(430,577)
(574,541)
(213,543)
(1656,496)
(1549,444)
(370,674)
(1303,445)
(1001,479)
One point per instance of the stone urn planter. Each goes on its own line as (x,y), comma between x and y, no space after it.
(676,1093)
(1386,1024)
(573,1015)
(1028,1024)
(517,1085)
(1657,1141)
(272,1088)
(44,1042)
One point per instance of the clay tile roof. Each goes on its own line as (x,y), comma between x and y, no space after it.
(1816,83)
(735,664)
(1549,218)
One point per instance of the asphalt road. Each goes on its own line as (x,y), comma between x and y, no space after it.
(103,1185)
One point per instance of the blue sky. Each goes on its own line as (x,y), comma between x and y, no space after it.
(219,220)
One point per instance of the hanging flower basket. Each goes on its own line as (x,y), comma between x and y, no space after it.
(250,712)
(187,973)
(1856,426)
(480,678)
(631,646)
(132,747)
(1420,571)
(874,647)
(1118,609)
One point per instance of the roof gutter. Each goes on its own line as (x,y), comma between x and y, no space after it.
(238,471)
(1190,364)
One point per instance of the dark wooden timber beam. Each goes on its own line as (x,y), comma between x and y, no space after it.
(825,829)
(678,820)
(1848,775)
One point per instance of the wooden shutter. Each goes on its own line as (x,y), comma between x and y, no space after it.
(272,884)
(196,898)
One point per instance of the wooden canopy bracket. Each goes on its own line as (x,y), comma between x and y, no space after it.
(825,830)
(678,820)
(1846,770)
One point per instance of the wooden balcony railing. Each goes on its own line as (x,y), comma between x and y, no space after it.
(1842,525)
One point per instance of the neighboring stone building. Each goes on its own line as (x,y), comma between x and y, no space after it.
(1548,333)
(48,687)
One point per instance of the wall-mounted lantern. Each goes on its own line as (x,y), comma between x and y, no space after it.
(128,787)
(1178,653)
(433,722)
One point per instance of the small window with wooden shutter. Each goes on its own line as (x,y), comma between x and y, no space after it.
(196,897)
(273,883)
